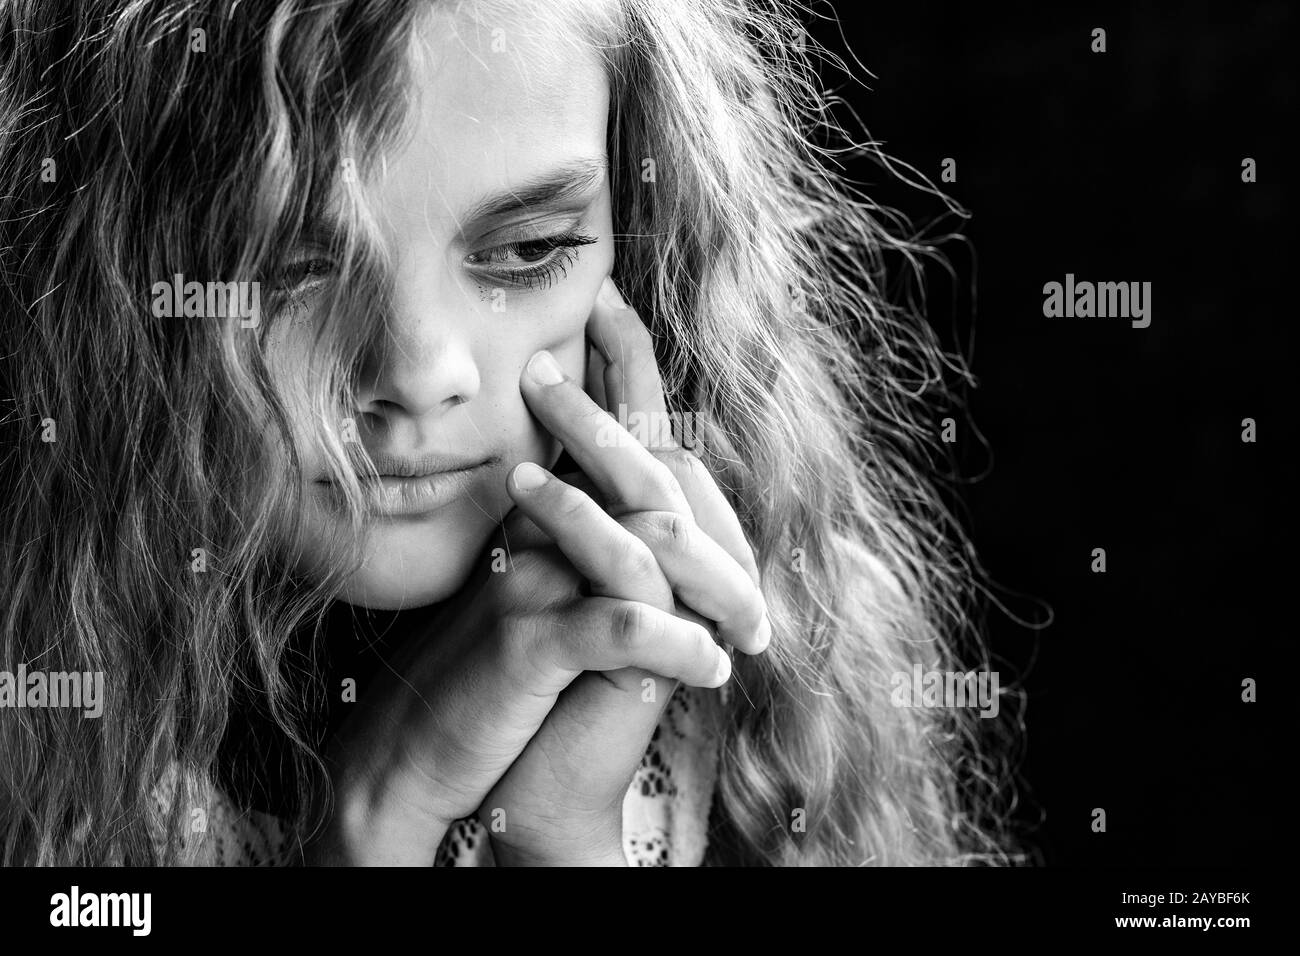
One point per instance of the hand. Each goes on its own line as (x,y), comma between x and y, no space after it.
(463,699)
(667,538)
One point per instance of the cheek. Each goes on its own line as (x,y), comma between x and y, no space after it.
(502,409)
(555,320)
(503,355)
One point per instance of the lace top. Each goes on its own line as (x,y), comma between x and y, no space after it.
(665,811)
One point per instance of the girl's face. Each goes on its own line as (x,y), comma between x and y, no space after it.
(497,212)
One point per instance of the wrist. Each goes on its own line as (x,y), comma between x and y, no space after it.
(505,855)
(375,825)
(597,845)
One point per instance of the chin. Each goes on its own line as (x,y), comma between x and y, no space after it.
(402,580)
(394,592)
(414,564)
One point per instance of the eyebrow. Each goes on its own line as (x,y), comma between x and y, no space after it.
(566,183)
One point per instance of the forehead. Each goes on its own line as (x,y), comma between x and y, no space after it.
(497,99)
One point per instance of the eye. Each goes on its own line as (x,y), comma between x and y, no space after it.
(302,272)
(537,263)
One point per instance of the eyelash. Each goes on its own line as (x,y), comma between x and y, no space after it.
(292,284)
(287,280)
(561,252)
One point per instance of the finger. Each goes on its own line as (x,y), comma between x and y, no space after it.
(595,377)
(608,634)
(627,474)
(613,560)
(716,517)
(520,533)
(632,379)
(703,575)
(713,512)
(631,376)
(626,345)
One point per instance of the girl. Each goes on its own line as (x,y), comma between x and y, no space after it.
(357,320)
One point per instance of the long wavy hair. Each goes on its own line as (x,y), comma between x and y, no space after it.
(147,539)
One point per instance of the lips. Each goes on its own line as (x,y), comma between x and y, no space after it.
(415,485)
(418,466)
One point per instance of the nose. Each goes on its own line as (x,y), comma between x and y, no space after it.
(423,365)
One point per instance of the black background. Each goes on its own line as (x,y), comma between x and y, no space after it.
(1115,166)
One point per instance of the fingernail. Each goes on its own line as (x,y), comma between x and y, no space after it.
(529,476)
(609,294)
(723,673)
(764,633)
(545,370)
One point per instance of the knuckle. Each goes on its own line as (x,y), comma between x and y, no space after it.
(523,650)
(660,482)
(514,637)
(665,529)
(685,465)
(570,504)
(518,634)
(537,578)
(625,624)
(636,560)
(676,530)
(634,625)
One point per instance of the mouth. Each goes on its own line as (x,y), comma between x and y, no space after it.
(414,486)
